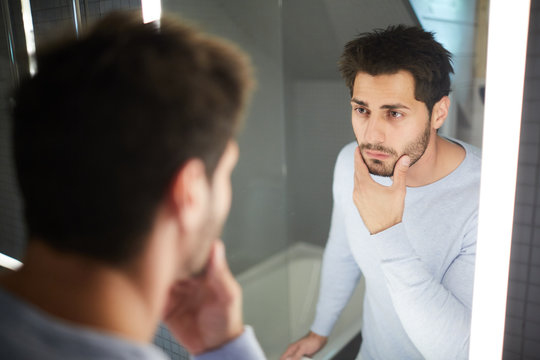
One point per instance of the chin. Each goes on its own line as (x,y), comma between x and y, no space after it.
(379,168)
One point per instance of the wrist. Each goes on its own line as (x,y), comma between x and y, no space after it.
(319,338)
(377,229)
(244,347)
(216,343)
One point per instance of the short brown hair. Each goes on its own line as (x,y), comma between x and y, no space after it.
(401,48)
(107,121)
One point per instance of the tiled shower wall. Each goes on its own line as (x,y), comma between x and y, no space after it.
(522,332)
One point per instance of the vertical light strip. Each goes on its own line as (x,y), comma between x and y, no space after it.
(151,10)
(29,35)
(76,16)
(9,262)
(8,27)
(506,54)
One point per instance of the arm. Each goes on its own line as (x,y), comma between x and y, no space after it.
(436,315)
(339,276)
(340,272)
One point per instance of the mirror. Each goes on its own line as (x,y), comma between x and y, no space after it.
(297,123)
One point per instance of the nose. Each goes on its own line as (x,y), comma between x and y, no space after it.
(374,131)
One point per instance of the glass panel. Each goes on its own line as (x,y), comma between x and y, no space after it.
(256,231)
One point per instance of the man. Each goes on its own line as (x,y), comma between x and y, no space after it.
(124,147)
(410,227)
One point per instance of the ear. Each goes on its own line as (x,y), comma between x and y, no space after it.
(190,194)
(440,112)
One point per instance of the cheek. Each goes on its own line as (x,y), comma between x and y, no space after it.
(357,128)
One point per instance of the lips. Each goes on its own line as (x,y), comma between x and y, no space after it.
(377,155)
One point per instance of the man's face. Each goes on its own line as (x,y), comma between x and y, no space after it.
(218,206)
(388,121)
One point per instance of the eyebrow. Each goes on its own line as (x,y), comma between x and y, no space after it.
(388,106)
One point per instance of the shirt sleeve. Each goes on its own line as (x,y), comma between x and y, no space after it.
(244,347)
(436,315)
(340,272)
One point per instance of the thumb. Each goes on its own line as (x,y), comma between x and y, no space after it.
(219,274)
(218,261)
(400,171)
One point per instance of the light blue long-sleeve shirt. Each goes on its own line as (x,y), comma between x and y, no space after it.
(27,333)
(419,273)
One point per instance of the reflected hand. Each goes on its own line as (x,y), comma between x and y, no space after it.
(309,345)
(205,313)
(381,207)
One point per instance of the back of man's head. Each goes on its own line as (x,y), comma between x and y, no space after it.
(399,48)
(108,120)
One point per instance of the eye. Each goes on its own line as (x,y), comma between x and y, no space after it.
(361,110)
(395,114)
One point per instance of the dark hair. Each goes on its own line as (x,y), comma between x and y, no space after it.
(401,48)
(107,121)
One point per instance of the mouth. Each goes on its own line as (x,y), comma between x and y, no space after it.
(377,155)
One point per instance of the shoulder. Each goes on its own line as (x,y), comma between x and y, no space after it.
(472,163)
(473,153)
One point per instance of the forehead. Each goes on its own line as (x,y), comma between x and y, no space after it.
(384,88)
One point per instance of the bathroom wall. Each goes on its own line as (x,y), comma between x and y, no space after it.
(522,331)
(11,225)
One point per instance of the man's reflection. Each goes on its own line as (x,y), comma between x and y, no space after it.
(405,206)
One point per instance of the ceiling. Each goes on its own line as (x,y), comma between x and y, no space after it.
(315,31)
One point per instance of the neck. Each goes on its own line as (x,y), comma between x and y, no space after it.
(87,293)
(440,159)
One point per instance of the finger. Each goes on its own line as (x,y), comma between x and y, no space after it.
(289,353)
(400,172)
(179,293)
(219,275)
(217,264)
(292,352)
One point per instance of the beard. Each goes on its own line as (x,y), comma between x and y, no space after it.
(415,150)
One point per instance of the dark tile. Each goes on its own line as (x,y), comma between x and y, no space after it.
(514,326)
(532,331)
(518,272)
(515,308)
(521,234)
(533,294)
(532,312)
(509,355)
(512,343)
(531,349)
(516,292)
